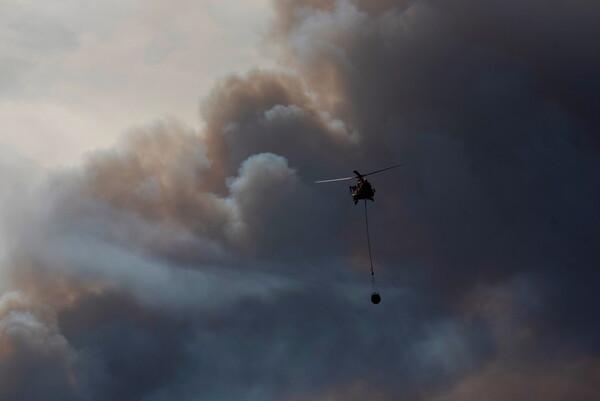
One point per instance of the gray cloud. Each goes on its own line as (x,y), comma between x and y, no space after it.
(35,357)
(207,265)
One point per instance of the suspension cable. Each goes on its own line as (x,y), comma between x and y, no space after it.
(369,244)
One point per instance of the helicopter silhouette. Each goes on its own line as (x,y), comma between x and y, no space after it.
(363,188)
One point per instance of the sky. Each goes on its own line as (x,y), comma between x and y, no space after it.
(77,75)
(162,237)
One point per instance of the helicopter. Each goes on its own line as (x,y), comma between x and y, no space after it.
(363,188)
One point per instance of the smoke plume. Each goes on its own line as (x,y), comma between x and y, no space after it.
(207,265)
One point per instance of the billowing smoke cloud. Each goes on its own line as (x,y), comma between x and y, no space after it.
(36,358)
(207,265)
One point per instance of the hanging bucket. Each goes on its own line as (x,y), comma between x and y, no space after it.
(375,298)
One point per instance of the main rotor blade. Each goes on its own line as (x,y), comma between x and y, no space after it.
(383,169)
(335,179)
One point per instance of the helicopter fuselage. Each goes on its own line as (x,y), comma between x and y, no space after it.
(362,190)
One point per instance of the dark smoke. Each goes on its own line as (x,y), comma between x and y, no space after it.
(207,265)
